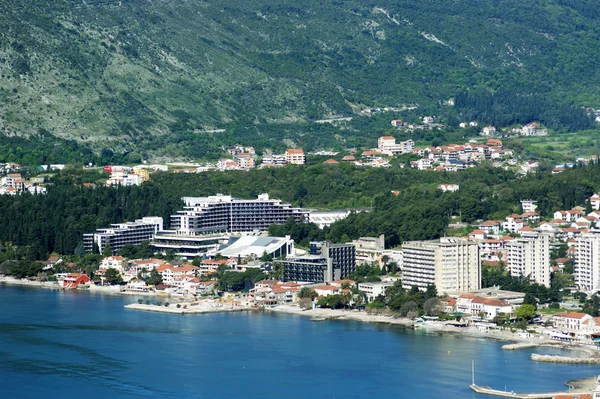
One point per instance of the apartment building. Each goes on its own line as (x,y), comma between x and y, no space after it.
(121,234)
(325,262)
(223,213)
(295,156)
(587,261)
(530,256)
(452,264)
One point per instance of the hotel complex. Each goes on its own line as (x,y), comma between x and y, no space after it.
(452,264)
(223,213)
(121,234)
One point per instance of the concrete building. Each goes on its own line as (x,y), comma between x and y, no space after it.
(369,249)
(326,218)
(121,234)
(223,213)
(188,246)
(530,256)
(325,262)
(452,264)
(587,261)
(246,246)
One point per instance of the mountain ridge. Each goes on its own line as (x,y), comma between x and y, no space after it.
(115,73)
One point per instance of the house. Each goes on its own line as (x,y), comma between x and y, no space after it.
(428,119)
(72,280)
(532,129)
(245,161)
(494,143)
(112,262)
(349,158)
(330,161)
(385,143)
(448,187)
(295,156)
(490,227)
(397,123)
(489,130)
(595,201)
(227,164)
(448,305)
(326,290)
(373,290)
(477,235)
(570,321)
(490,307)
(513,223)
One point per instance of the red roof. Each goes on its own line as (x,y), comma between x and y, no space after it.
(294,151)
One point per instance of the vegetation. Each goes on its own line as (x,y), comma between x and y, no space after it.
(153,81)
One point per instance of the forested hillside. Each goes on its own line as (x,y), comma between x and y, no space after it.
(159,76)
(41,224)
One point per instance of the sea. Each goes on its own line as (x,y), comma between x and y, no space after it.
(57,344)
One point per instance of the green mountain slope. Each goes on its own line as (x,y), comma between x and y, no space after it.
(109,71)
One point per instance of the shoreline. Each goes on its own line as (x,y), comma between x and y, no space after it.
(514,341)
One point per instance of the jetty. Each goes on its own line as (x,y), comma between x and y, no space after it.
(506,394)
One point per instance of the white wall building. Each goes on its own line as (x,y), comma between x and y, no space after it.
(452,264)
(587,262)
(373,290)
(530,256)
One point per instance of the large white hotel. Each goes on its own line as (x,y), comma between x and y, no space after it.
(223,213)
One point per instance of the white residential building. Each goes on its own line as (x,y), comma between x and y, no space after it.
(587,262)
(595,201)
(449,187)
(295,156)
(529,205)
(530,256)
(373,290)
(452,264)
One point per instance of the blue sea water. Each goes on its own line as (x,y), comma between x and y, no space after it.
(56,344)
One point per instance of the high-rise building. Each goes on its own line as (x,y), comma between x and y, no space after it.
(121,234)
(325,262)
(587,262)
(223,213)
(451,264)
(530,256)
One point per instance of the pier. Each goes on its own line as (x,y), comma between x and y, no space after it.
(505,394)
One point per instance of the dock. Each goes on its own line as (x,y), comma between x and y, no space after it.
(505,394)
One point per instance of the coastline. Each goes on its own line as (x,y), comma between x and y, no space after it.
(513,340)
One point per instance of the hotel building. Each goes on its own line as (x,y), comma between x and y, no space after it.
(223,213)
(451,264)
(121,234)
(325,262)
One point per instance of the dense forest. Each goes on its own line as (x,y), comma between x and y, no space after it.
(55,222)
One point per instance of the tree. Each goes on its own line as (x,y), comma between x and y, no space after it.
(525,312)
(154,278)
(431,291)
(307,293)
(432,306)
(408,307)
(530,299)
(113,276)
(107,251)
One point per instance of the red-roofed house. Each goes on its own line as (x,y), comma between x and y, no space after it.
(490,227)
(570,321)
(295,156)
(72,280)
